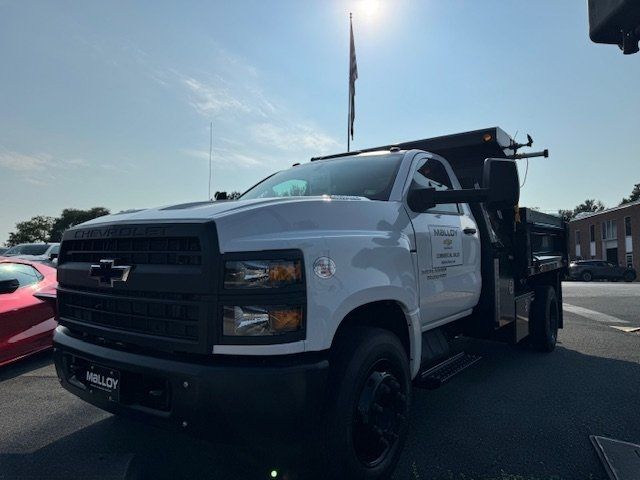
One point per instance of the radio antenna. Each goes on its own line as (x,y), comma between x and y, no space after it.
(210,155)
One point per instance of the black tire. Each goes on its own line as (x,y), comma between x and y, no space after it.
(586,276)
(367,406)
(629,276)
(545,316)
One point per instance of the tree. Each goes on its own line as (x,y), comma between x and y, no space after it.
(74,216)
(589,205)
(634,197)
(35,230)
(566,214)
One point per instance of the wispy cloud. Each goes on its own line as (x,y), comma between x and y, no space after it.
(293,137)
(226,158)
(209,100)
(259,128)
(22,162)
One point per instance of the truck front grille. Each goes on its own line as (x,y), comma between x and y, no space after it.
(175,316)
(167,303)
(136,251)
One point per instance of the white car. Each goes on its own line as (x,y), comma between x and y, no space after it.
(36,252)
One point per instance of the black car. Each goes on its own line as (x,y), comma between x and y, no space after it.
(587,270)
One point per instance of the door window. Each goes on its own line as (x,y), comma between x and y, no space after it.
(431,173)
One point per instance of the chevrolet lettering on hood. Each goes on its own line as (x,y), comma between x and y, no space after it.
(119,231)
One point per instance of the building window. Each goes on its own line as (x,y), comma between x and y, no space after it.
(627,226)
(609,230)
(629,260)
(577,237)
(592,233)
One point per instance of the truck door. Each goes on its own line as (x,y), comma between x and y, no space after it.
(447,248)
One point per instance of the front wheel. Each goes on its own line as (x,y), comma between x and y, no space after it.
(368,404)
(586,277)
(544,320)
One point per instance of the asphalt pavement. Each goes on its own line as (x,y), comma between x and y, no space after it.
(516,415)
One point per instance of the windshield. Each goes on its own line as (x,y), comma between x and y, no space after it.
(25,274)
(366,176)
(29,249)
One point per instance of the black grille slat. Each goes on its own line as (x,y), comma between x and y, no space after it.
(165,319)
(138,251)
(136,294)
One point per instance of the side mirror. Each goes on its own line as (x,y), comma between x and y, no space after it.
(422,199)
(500,178)
(9,286)
(500,189)
(53,256)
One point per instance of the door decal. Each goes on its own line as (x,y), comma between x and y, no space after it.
(446,245)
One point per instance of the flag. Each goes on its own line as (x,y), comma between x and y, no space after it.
(353,76)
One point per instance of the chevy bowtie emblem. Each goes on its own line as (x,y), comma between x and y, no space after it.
(106,273)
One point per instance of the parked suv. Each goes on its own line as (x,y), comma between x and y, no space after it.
(587,270)
(35,252)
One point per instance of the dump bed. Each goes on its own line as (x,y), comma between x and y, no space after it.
(466,152)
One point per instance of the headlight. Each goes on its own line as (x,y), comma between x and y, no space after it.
(261,320)
(261,273)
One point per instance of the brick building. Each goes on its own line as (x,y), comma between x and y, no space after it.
(612,235)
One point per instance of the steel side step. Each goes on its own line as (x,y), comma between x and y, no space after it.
(440,373)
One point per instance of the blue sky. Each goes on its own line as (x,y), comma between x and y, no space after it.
(109,103)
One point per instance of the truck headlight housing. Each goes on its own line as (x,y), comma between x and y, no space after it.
(261,320)
(260,274)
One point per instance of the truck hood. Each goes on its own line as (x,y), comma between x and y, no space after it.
(207,210)
(281,223)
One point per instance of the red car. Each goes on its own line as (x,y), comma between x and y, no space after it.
(27,308)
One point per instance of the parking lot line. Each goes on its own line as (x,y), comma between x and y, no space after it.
(592,314)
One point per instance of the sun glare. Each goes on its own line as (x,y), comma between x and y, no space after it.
(370,8)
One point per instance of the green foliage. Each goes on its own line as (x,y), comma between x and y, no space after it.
(34,230)
(50,229)
(74,216)
(634,197)
(589,205)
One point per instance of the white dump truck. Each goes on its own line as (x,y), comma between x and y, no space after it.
(306,311)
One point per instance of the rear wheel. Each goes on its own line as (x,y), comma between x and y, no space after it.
(368,403)
(586,276)
(544,321)
(629,276)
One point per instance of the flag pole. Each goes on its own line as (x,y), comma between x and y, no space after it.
(349,89)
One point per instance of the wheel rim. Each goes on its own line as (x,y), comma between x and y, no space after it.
(586,277)
(380,414)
